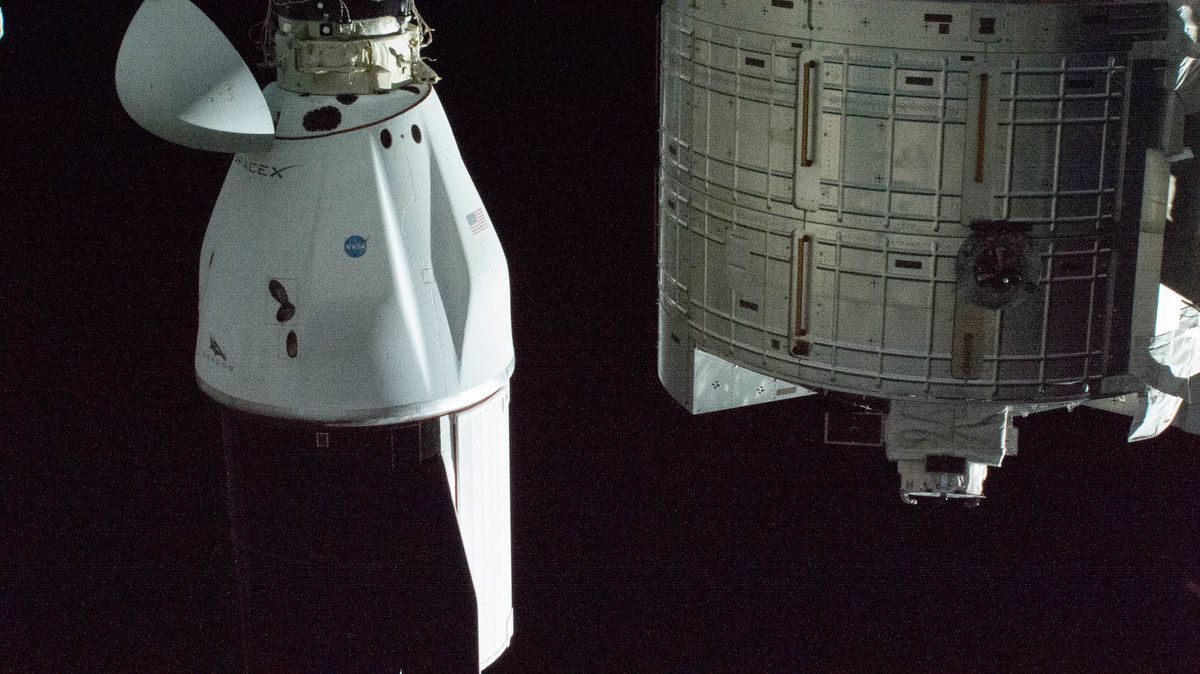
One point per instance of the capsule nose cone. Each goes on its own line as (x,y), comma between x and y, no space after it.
(180,79)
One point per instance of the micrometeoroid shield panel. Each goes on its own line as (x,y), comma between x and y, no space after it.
(819,186)
(918,202)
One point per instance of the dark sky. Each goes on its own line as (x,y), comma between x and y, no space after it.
(645,540)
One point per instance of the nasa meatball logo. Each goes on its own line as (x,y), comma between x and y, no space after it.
(356,246)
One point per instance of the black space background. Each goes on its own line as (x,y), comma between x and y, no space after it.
(645,540)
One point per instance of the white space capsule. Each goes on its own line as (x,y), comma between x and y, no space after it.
(954,208)
(352,289)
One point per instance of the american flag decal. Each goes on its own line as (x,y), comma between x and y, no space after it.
(478,221)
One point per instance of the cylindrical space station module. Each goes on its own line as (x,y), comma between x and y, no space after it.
(355,328)
(954,209)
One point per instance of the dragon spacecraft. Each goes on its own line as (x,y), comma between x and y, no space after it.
(947,214)
(354,298)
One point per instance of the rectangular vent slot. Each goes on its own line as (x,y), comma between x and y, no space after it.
(919,81)
(786,4)
(748,305)
(756,62)
(939,18)
(909,264)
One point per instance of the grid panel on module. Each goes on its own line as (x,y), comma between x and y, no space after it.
(952,208)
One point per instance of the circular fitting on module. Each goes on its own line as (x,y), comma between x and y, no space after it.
(998,268)
(340,10)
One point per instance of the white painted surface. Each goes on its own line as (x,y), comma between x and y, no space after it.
(181,80)
(350,274)
(820,244)
(893,135)
(482,498)
(402,328)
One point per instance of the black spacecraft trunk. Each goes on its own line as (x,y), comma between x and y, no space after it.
(348,553)
(342,10)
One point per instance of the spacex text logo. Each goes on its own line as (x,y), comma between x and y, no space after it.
(216,356)
(261,169)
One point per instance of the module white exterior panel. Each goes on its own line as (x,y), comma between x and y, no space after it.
(879,306)
(894,185)
(707,382)
(916,201)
